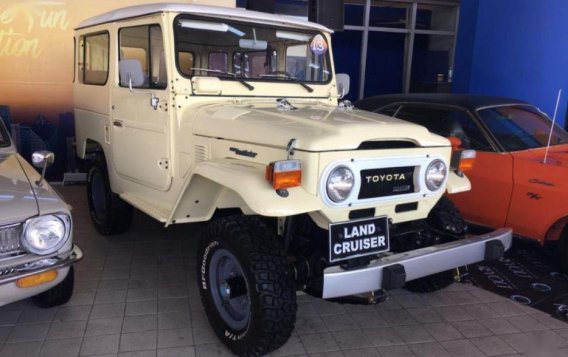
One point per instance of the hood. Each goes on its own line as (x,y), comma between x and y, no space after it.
(17,200)
(316,127)
(557,155)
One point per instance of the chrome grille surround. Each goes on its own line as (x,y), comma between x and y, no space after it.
(10,239)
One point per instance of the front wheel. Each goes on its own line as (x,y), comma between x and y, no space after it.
(563,251)
(59,294)
(246,286)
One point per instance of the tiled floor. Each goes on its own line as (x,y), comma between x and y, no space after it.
(135,296)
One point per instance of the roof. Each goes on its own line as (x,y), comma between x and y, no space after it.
(471,102)
(204,10)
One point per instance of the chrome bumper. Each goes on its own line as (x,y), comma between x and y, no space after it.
(39,266)
(418,263)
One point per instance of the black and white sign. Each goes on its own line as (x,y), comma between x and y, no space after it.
(358,238)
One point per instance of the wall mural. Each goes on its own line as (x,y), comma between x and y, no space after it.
(36,52)
(36,71)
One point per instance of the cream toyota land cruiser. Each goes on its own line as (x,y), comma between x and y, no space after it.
(190,111)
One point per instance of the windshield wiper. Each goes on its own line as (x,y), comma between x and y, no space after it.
(234,75)
(289,77)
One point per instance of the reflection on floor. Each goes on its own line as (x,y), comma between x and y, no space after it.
(527,274)
(136,296)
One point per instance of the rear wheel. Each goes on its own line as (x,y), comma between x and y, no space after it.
(444,217)
(109,213)
(246,285)
(59,294)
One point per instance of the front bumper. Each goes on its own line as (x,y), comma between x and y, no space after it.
(415,264)
(12,274)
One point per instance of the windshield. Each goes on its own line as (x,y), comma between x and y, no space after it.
(239,51)
(4,139)
(521,127)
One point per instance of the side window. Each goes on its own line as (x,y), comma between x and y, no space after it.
(142,57)
(447,122)
(93,59)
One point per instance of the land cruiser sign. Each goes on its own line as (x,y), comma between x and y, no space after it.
(358,238)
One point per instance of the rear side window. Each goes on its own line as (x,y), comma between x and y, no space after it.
(447,122)
(93,59)
(142,57)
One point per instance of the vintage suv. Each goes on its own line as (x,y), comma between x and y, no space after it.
(36,248)
(189,111)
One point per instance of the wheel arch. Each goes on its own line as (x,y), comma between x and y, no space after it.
(230,183)
(555,231)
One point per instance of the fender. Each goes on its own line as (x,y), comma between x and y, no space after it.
(229,183)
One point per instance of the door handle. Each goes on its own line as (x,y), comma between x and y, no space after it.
(117,123)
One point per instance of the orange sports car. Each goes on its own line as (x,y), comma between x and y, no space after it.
(520,176)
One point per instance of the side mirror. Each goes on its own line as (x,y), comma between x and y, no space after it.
(343,82)
(42,159)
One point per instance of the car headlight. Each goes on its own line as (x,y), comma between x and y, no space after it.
(46,234)
(436,174)
(340,183)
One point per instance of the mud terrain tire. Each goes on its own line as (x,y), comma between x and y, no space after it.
(239,255)
(109,213)
(447,218)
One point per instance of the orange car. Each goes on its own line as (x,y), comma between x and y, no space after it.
(518,180)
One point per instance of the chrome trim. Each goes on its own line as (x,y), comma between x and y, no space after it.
(21,271)
(417,264)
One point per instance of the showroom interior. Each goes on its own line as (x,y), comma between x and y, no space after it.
(246,177)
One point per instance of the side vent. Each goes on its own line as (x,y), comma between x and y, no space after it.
(201,153)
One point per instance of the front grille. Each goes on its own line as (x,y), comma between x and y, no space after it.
(389,181)
(10,239)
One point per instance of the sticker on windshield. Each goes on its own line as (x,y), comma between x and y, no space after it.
(318,45)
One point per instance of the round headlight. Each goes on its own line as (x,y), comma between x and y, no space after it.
(436,174)
(45,234)
(340,183)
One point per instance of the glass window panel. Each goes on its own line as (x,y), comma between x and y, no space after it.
(432,63)
(354,12)
(446,122)
(389,14)
(347,56)
(218,61)
(185,60)
(385,63)
(95,70)
(434,17)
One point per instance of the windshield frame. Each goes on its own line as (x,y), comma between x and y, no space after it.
(523,106)
(238,78)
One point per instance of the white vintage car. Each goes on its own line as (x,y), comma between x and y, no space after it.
(36,248)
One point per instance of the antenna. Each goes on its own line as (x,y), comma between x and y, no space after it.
(552,126)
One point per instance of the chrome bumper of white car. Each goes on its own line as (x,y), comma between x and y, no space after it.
(414,264)
(12,274)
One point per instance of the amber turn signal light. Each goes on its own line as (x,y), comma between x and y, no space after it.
(284,174)
(37,279)
(467,159)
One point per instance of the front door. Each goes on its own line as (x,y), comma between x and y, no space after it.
(140,124)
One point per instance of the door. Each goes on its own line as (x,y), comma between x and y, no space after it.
(139,138)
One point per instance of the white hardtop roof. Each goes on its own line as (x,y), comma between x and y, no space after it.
(212,11)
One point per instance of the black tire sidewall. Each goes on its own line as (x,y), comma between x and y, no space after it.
(99,169)
(219,325)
